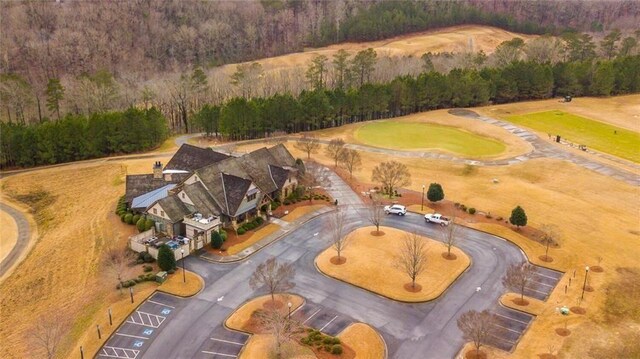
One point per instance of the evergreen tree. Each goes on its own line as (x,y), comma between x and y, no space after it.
(518,217)
(55,94)
(341,68)
(166,258)
(435,192)
(216,240)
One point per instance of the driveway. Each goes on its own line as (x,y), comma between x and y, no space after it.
(22,243)
(407,328)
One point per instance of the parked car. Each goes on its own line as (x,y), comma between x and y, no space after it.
(398,209)
(437,218)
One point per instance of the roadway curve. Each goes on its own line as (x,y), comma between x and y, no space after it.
(427,328)
(22,243)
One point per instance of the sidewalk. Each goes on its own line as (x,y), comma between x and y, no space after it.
(266,240)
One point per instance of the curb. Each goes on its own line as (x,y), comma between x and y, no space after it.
(314,216)
(204,285)
(315,264)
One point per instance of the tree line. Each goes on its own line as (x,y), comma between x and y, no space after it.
(77,137)
(242,118)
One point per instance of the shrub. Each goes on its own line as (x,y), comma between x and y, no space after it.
(327,340)
(287,202)
(488,215)
(148,258)
(327,348)
(128,218)
(136,218)
(216,240)
(147,268)
(148,224)
(471,210)
(435,192)
(139,261)
(241,231)
(166,258)
(335,340)
(463,207)
(305,341)
(150,277)
(138,280)
(140,224)
(259,220)
(122,217)
(171,271)
(457,204)
(518,217)
(223,234)
(499,218)
(336,349)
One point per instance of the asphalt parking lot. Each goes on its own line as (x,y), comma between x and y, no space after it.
(130,340)
(323,319)
(544,282)
(510,326)
(223,344)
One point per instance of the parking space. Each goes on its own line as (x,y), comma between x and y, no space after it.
(543,283)
(323,319)
(223,344)
(509,327)
(132,338)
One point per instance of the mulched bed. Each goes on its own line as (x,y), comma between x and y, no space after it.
(519,301)
(338,261)
(409,288)
(547,259)
(449,256)
(596,269)
(279,212)
(546,356)
(563,332)
(578,310)
(474,354)
(232,239)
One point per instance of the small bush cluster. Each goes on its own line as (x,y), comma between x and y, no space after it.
(471,210)
(144,257)
(321,341)
(255,223)
(275,204)
(148,277)
(147,268)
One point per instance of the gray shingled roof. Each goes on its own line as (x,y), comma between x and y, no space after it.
(174,208)
(202,200)
(282,156)
(279,175)
(137,185)
(190,158)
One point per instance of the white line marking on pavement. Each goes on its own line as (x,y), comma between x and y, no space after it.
(224,355)
(548,276)
(500,315)
(545,284)
(166,305)
(227,341)
(312,315)
(221,298)
(326,325)
(116,355)
(132,336)
(509,329)
(537,291)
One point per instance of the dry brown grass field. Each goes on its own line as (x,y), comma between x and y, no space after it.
(8,234)
(598,217)
(370,264)
(450,39)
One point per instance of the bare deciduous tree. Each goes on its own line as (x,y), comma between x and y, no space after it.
(273,275)
(376,212)
(314,176)
(520,276)
(338,238)
(450,235)
(281,326)
(116,262)
(391,175)
(477,327)
(412,259)
(48,332)
(335,149)
(308,145)
(351,160)
(550,235)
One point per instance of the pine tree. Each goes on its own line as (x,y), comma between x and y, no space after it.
(518,217)
(216,240)
(166,258)
(435,192)
(55,94)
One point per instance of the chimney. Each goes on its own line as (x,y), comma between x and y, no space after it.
(157,170)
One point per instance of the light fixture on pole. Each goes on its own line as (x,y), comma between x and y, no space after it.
(289,305)
(584,285)
(422,200)
(184,276)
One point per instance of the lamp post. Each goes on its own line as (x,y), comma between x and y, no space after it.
(422,200)
(289,305)
(584,285)
(131,293)
(184,276)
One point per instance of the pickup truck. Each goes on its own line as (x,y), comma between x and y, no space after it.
(398,209)
(437,218)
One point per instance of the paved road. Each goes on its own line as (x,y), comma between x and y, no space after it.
(24,236)
(428,328)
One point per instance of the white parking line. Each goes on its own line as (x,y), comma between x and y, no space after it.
(334,318)
(227,341)
(224,355)
(166,305)
(544,275)
(312,315)
(149,321)
(545,284)
(503,339)
(535,290)
(500,315)
(131,336)
(509,329)
(117,355)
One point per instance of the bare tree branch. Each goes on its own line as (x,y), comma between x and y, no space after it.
(308,145)
(450,235)
(391,175)
(48,333)
(519,276)
(412,259)
(351,160)
(376,212)
(335,149)
(338,238)
(282,327)
(116,261)
(477,327)
(273,275)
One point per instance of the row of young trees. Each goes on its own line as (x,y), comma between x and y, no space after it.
(77,137)
(242,118)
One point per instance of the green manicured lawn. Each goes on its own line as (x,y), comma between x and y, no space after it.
(417,135)
(583,131)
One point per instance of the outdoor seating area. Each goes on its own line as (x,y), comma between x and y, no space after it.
(150,241)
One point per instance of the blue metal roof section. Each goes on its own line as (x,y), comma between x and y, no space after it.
(147,199)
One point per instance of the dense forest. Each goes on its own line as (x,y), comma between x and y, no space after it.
(142,66)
